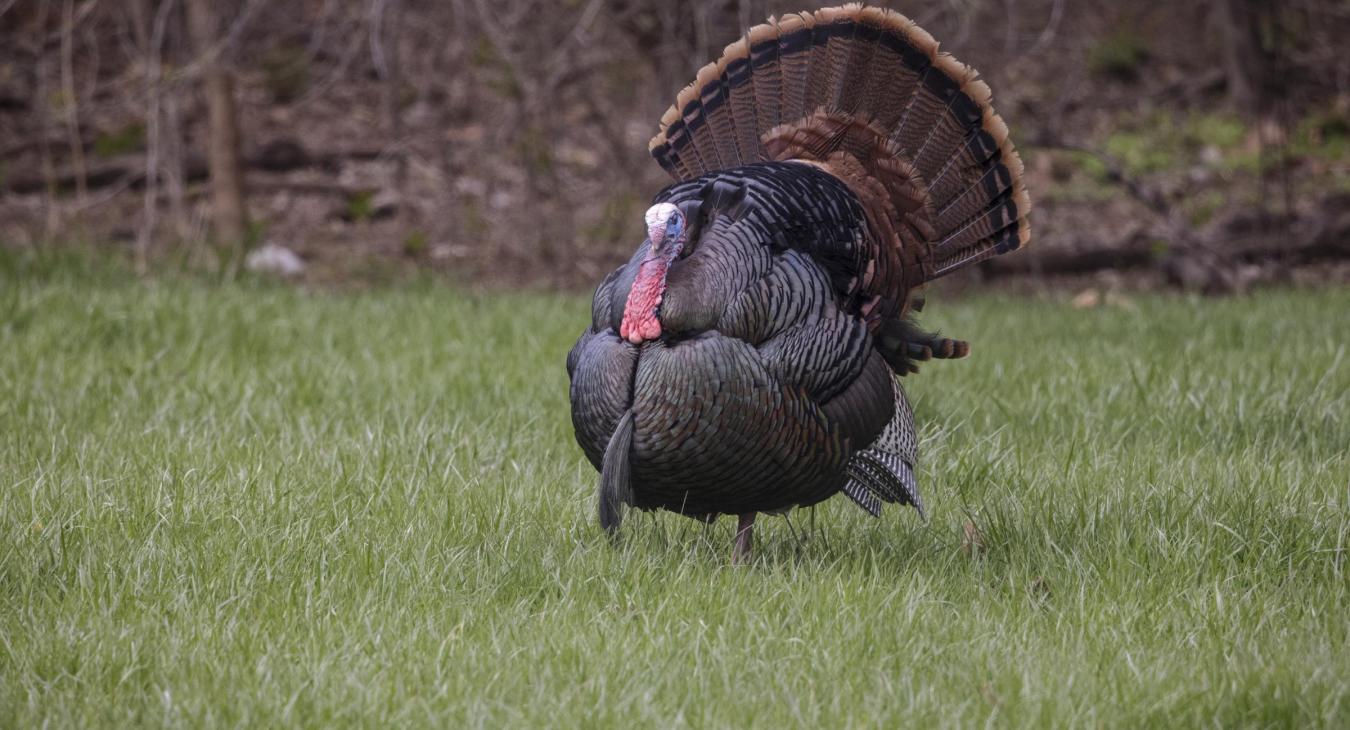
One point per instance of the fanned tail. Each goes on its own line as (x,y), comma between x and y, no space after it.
(865,93)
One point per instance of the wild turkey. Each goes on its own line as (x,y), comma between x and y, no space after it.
(745,359)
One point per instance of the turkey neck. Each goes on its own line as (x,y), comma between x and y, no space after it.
(640,322)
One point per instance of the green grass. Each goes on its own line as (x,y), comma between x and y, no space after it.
(248,505)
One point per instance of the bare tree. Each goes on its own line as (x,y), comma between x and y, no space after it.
(385,18)
(154,95)
(71,99)
(1245,60)
(40,105)
(227,180)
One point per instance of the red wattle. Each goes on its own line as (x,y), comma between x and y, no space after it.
(639,315)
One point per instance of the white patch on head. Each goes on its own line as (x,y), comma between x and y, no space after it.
(658,214)
(656,218)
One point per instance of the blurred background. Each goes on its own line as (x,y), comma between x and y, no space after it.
(1203,145)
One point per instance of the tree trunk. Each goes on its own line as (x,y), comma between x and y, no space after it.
(71,98)
(227,181)
(40,106)
(1245,61)
(387,41)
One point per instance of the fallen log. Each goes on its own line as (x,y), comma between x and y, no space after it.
(1208,256)
(278,156)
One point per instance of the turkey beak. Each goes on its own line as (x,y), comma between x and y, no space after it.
(664,247)
(656,236)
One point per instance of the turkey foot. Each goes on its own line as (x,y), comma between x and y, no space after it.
(745,532)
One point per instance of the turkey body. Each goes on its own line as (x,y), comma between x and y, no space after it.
(765,381)
(746,358)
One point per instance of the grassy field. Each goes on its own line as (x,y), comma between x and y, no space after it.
(244,504)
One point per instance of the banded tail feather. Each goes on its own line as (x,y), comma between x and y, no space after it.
(862,496)
(875,477)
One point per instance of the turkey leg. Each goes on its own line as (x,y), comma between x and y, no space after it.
(745,532)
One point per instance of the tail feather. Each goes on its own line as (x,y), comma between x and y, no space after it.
(794,46)
(853,56)
(1000,214)
(712,97)
(766,77)
(992,182)
(948,130)
(705,139)
(965,166)
(925,104)
(892,101)
(819,80)
(1006,241)
(840,46)
(741,98)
